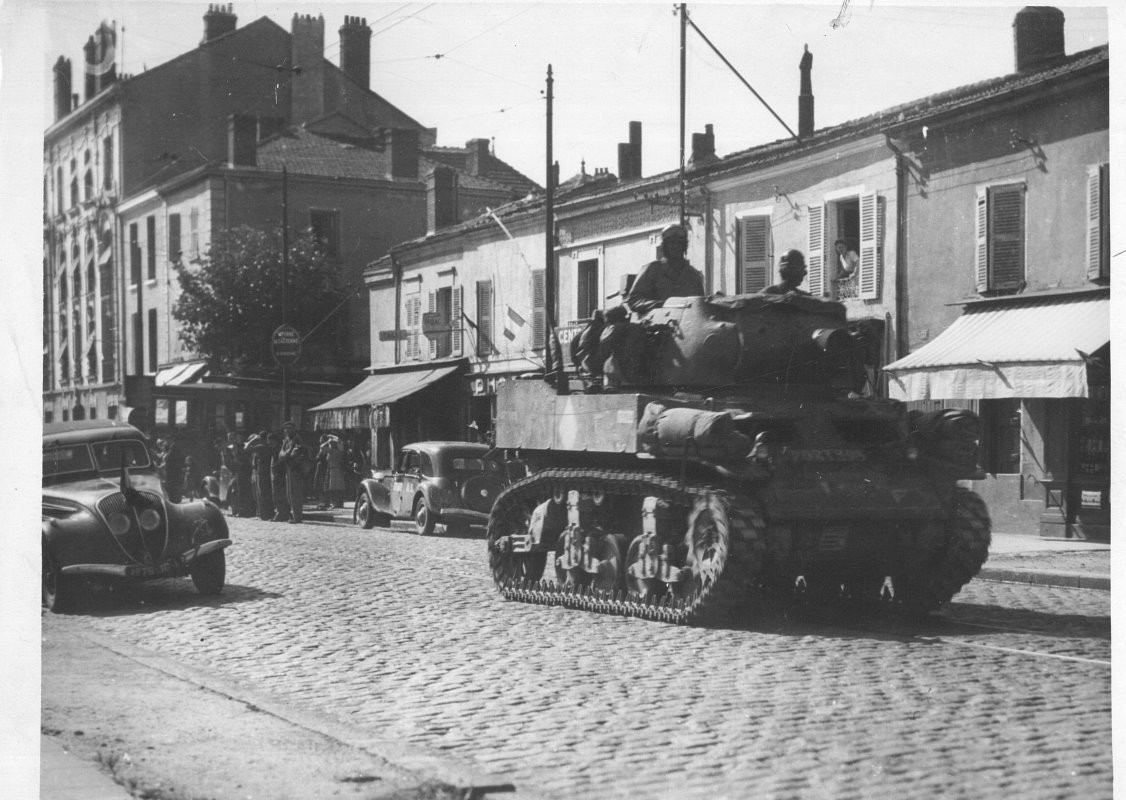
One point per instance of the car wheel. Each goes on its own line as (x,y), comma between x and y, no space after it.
(423,519)
(58,589)
(209,572)
(365,511)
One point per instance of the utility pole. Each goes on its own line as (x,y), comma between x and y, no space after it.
(550,366)
(285,286)
(683,91)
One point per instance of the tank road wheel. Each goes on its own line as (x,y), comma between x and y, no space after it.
(423,520)
(968,534)
(641,558)
(607,554)
(58,589)
(209,573)
(508,520)
(708,541)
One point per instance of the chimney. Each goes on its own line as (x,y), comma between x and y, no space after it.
(805,98)
(91,79)
(625,162)
(218,20)
(307,94)
(355,50)
(104,65)
(635,148)
(404,153)
(242,139)
(1038,37)
(62,87)
(703,146)
(268,126)
(478,151)
(441,198)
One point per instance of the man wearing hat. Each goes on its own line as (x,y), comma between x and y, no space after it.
(294,455)
(792,269)
(672,276)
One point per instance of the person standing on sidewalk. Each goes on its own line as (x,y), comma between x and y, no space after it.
(334,471)
(259,450)
(296,458)
(277,479)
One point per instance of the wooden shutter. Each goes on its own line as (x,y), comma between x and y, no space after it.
(173,237)
(455,321)
(414,303)
(816,257)
(868,278)
(754,253)
(432,306)
(539,308)
(1097,240)
(484,318)
(981,236)
(1006,236)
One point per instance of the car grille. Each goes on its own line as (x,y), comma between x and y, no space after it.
(142,547)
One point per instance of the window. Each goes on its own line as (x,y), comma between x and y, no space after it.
(150,246)
(88,176)
(445,306)
(413,314)
(539,309)
(754,254)
(586,300)
(999,262)
(174,238)
(152,340)
(484,318)
(325,225)
(1098,222)
(134,254)
(107,163)
(138,344)
(74,198)
(60,202)
(859,221)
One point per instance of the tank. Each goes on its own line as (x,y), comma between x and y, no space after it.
(732,454)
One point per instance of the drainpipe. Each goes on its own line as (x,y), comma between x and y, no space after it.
(901,294)
(397,277)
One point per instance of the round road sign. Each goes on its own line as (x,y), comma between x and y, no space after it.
(286,344)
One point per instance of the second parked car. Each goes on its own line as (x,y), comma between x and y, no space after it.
(450,483)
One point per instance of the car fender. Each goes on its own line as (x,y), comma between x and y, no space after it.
(431,495)
(378,493)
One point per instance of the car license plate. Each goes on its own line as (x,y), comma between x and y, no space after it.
(154,570)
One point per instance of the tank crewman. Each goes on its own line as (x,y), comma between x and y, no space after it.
(671,276)
(792,269)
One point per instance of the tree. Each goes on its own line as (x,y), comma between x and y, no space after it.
(231,301)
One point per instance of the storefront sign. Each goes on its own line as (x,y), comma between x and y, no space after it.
(1090,499)
(394,335)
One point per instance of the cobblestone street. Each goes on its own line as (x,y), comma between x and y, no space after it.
(1006,694)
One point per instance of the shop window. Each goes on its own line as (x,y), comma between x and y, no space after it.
(586,279)
(1001,424)
(484,318)
(325,224)
(754,254)
(999,261)
(1098,222)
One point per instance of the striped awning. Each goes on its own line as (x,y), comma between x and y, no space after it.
(179,374)
(353,408)
(1021,348)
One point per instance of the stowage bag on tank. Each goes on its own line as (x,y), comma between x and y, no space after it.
(675,431)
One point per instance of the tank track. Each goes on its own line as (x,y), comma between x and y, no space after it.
(742,533)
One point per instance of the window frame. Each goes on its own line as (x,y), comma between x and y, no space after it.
(331,245)
(760,268)
(988,237)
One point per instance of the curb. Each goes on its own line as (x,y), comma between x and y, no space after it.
(476,783)
(1046,577)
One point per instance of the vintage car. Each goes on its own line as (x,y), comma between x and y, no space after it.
(453,483)
(106,516)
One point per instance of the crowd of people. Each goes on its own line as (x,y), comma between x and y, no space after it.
(271,474)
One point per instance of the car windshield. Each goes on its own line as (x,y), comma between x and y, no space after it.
(99,456)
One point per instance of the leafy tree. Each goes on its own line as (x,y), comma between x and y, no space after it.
(231,301)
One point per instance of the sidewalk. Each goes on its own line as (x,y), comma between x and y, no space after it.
(1020,558)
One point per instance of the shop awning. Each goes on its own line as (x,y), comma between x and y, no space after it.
(179,374)
(353,408)
(1026,348)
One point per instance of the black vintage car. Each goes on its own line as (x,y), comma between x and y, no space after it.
(106,516)
(453,483)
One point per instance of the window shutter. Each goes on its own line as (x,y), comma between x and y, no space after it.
(754,255)
(173,237)
(981,255)
(455,321)
(1096,215)
(816,257)
(432,306)
(868,280)
(484,318)
(412,326)
(539,308)
(1006,236)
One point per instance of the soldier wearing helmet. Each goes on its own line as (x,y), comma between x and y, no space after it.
(672,276)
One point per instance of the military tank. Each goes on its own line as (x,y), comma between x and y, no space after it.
(735,459)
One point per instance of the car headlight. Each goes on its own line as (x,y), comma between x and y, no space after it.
(150,519)
(118,523)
